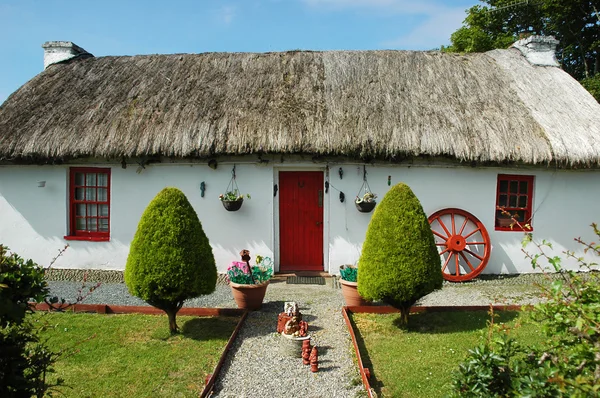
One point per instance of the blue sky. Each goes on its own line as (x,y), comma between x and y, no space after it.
(128,27)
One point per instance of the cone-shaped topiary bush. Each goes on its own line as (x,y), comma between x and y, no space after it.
(399,262)
(170,259)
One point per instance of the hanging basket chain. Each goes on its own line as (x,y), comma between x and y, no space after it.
(365,185)
(232,186)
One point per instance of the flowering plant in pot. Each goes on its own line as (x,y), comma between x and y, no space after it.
(348,275)
(366,203)
(249,283)
(232,200)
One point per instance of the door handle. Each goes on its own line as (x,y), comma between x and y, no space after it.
(319,223)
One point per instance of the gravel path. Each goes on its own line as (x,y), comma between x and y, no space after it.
(254,365)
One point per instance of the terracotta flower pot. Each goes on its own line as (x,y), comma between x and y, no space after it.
(249,297)
(350,293)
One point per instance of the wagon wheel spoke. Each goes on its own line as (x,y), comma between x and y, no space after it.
(457,265)
(440,235)
(462,228)
(474,255)
(471,233)
(467,261)
(446,262)
(444,227)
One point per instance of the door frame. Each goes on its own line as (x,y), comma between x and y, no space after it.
(326,201)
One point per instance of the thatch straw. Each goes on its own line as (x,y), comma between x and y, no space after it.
(366,104)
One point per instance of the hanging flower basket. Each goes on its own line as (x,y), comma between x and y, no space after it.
(365,203)
(365,207)
(232,199)
(232,205)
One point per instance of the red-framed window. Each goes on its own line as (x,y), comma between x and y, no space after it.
(89,204)
(514,194)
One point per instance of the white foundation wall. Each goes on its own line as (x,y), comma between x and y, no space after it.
(33,220)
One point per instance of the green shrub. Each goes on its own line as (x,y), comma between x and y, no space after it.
(566,362)
(399,262)
(24,359)
(170,259)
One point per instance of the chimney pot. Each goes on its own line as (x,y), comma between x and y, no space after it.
(59,51)
(539,50)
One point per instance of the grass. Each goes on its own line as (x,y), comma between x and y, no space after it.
(134,355)
(420,360)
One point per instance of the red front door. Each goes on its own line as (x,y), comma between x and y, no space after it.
(301,221)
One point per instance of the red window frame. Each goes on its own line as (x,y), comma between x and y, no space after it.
(514,194)
(96,207)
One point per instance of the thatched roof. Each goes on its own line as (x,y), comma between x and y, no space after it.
(370,104)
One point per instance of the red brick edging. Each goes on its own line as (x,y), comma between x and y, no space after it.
(365,373)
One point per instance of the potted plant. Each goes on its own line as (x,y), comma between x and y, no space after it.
(249,283)
(348,275)
(232,200)
(366,203)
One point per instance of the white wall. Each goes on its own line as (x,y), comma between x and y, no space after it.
(33,221)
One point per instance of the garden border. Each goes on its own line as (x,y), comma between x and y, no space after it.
(147,310)
(365,373)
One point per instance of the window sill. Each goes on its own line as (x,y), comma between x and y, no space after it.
(88,238)
(515,229)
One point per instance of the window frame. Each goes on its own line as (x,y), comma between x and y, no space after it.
(73,233)
(529,205)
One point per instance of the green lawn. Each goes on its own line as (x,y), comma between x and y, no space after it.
(419,361)
(134,355)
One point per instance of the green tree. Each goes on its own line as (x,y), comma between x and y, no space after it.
(499,23)
(399,262)
(170,259)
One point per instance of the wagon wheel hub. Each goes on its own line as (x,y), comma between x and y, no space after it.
(456,243)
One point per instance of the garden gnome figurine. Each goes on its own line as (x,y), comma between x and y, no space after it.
(245,254)
(306,352)
(314,360)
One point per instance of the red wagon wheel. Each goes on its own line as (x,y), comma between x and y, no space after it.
(463,243)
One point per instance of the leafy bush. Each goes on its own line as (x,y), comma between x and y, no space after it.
(567,362)
(399,262)
(170,259)
(24,359)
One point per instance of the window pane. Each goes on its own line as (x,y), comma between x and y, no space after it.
(92,224)
(504,186)
(522,201)
(79,178)
(503,201)
(78,193)
(103,225)
(103,210)
(512,201)
(80,210)
(102,194)
(80,224)
(92,210)
(102,180)
(90,179)
(514,185)
(90,194)
(520,216)
(523,187)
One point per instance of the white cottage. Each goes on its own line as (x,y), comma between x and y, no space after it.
(86,144)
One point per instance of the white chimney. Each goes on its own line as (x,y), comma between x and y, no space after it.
(539,50)
(59,51)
